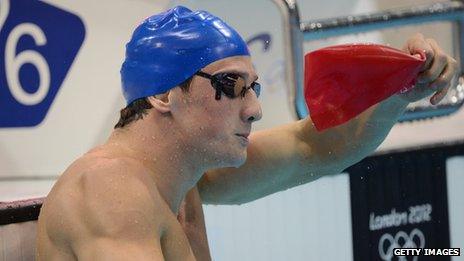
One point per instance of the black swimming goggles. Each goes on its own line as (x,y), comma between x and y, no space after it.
(231,84)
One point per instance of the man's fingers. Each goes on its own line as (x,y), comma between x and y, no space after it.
(443,83)
(437,97)
(438,63)
(446,75)
(437,73)
(418,45)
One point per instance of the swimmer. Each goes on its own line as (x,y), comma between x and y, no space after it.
(184,140)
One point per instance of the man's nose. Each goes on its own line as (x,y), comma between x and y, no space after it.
(252,110)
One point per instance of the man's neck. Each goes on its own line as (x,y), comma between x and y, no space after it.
(174,166)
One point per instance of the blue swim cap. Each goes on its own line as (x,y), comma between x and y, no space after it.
(168,48)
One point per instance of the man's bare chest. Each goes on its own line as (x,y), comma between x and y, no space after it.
(192,221)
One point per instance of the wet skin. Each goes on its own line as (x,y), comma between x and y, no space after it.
(123,200)
(77,220)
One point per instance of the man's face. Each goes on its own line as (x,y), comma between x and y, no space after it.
(215,126)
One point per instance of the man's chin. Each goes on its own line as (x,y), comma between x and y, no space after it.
(234,156)
(240,159)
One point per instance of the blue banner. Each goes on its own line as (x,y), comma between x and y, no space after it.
(38,44)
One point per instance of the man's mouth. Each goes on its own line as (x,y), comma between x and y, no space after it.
(243,138)
(245,135)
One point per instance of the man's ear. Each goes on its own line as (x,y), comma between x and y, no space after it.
(160,102)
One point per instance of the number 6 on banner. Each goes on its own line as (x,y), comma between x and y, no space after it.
(13,62)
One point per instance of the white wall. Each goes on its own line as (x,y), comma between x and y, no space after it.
(311,222)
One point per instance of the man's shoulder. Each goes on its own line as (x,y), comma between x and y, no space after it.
(120,192)
(106,169)
(103,160)
(102,195)
(103,179)
(94,174)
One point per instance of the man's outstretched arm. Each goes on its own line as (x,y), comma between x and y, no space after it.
(295,154)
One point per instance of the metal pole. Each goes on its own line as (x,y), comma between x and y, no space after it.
(296,32)
(446,11)
(293,42)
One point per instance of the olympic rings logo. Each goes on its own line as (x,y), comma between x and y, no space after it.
(387,243)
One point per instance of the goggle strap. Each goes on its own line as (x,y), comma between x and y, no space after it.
(202,74)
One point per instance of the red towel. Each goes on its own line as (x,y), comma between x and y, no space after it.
(344,80)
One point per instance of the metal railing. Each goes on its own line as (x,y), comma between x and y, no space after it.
(20,211)
(296,33)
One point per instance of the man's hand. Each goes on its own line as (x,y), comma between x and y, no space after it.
(437,73)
